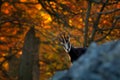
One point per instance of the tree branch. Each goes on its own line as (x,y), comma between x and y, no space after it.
(109,12)
(95,25)
(86,24)
(114,2)
(112,27)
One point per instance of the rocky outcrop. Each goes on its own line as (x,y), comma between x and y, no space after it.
(100,62)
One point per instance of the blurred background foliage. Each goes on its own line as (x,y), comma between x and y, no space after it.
(50,17)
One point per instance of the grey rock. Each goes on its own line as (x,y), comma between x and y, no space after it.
(100,62)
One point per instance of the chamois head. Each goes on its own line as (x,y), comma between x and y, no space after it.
(65,41)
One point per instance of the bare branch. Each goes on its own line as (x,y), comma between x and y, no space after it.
(112,27)
(109,12)
(95,25)
(17,1)
(114,2)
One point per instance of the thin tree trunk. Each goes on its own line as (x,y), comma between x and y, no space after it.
(29,61)
(86,24)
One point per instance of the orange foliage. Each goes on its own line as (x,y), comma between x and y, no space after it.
(6,4)
(118,6)
(2,38)
(52,56)
(104,22)
(6,11)
(23,0)
(7,8)
(38,6)
(47,27)
(81,20)
(6,66)
(90,19)
(53,5)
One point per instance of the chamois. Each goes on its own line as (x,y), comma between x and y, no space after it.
(73,52)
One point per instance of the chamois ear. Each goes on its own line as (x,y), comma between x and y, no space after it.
(64,38)
(68,37)
(61,38)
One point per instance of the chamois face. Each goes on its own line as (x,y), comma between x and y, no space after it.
(65,41)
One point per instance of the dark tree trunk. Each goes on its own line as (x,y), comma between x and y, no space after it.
(1,2)
(29,68)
